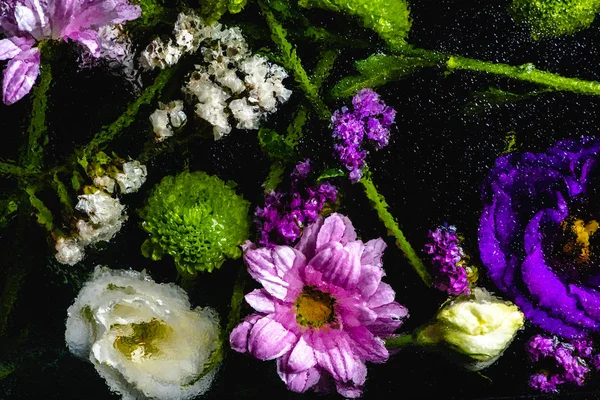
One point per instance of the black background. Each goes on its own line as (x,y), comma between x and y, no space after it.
(430,174)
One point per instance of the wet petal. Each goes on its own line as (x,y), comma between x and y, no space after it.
(337,358)
(336,228)
(373,252)
(301,357)
(297,382)
(20,75)
(261,301)
(269,339)
(87,38)
(368,347)
(389,318)
(339,265)
(239,335)
(382,296)
(11,47)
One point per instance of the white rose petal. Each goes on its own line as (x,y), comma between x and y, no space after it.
(132,178)
(142,336)
(68,251)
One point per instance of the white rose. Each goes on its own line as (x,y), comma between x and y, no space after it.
(142,336)
(133,176)
(480,326)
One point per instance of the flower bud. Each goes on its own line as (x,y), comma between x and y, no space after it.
(479,326)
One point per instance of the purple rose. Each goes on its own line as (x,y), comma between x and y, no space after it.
(537,235)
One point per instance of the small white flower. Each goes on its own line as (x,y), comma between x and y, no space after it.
(105,182)
(142,336)
(480,326)
(246,114)
(159,54)
(106,217)
(68,251)
(160,125)
(132,178)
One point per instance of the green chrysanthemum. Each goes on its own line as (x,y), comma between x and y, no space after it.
(197,219)
(550,18)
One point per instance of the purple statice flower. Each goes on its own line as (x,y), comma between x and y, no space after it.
(284,214)
(323,310)
(446,254)
(26,22)
(564,362)
(532,238)
(370,119)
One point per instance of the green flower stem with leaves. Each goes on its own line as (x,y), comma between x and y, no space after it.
(380,205)
(400,341)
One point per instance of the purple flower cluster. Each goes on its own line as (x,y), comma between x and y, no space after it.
(370,118)
(285,213)
(564,362)
(446,254)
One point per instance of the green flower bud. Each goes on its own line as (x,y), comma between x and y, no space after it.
(479,326)
(197,219)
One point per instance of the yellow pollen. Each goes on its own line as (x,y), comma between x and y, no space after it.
(314,308)
(582,234)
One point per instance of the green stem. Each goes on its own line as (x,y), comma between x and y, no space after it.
(292,63)
(109,132)
(526,72)
(37,136)
(275,176)
(380,205)
(400,341)
(12,169)
(236,301)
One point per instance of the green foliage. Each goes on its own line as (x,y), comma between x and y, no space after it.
(8,210)
(274,145)
(389,18)
(43,214)
(550,18)
(485,100)
(377,70)
(212,10)
(153,12)
(235,6)
(292,62)
(331,173)
(197,219)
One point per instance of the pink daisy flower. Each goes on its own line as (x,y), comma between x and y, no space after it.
(323,310)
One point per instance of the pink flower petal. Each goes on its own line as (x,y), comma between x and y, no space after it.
(20,75)
(354,312)
(87,38)
(269,339)
(348,389)
(96,13)
(339,265)
(238,339)
(370,278)
(336,357)
(368,347)
(389,318)
(382,296)
(308,241)
(276,269)
(336,228)
(261,301)
(298,382)
(11,47)
(373,252)
(31,17)
(302,357)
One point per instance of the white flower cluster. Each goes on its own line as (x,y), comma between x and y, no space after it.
(105,214)
(231,82)
(166,118)
(142,336)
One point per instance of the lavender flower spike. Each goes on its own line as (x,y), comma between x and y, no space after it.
(25,22)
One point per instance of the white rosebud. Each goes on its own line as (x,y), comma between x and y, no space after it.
(142,336)
(480,326)
(106,217)
(132,178)
(68,251)
(160,125)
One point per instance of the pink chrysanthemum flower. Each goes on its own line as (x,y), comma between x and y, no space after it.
(323,310)
(26,22)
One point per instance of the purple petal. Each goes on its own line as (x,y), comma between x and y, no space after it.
(339,265)
(97,13)
(302,356)
(373,252)
(384,295)
(89,39)
(276,269)
(308,242)
(20,75)
(368,347)
(298,382)
(389,318)
(261,301)
(11,47)
(370,278)
(31,17)
(336,228)
(354,312)
(238,339)
(269,339)
(334,354)
(349,390)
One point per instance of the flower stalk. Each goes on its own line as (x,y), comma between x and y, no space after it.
(380,205)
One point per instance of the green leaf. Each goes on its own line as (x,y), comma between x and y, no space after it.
(274,145)
(8,210)
(43,214)
(485,100)
(331,173)
(377,70)
(235,6)
(389,18)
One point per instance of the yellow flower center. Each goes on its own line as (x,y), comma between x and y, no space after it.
(141,340)
(314,308)
(581,233)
